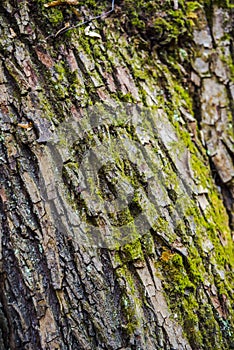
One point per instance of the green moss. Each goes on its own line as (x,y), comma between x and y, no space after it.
(182,97)
(133,251)
(147,244)
(195,267)
(192,6)
(84,42)
(136,22)
(59,80)
(191,322)
(200,171)
(159,22)
(125,97)
(206,317)
(222,3)
(162,228)
(175,269)
(53,14)
(180,286)
(131,304)
(46,106)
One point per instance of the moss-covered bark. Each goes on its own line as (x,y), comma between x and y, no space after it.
(153,85)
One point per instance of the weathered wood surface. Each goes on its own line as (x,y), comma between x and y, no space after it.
(157,274)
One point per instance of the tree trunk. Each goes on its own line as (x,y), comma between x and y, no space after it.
(117,176)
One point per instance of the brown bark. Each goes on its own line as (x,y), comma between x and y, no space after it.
(116,195)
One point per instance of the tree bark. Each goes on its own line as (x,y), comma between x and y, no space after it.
(117,176)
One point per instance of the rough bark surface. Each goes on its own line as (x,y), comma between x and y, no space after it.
(165,281)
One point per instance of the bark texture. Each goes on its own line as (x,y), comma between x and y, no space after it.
(158,272)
